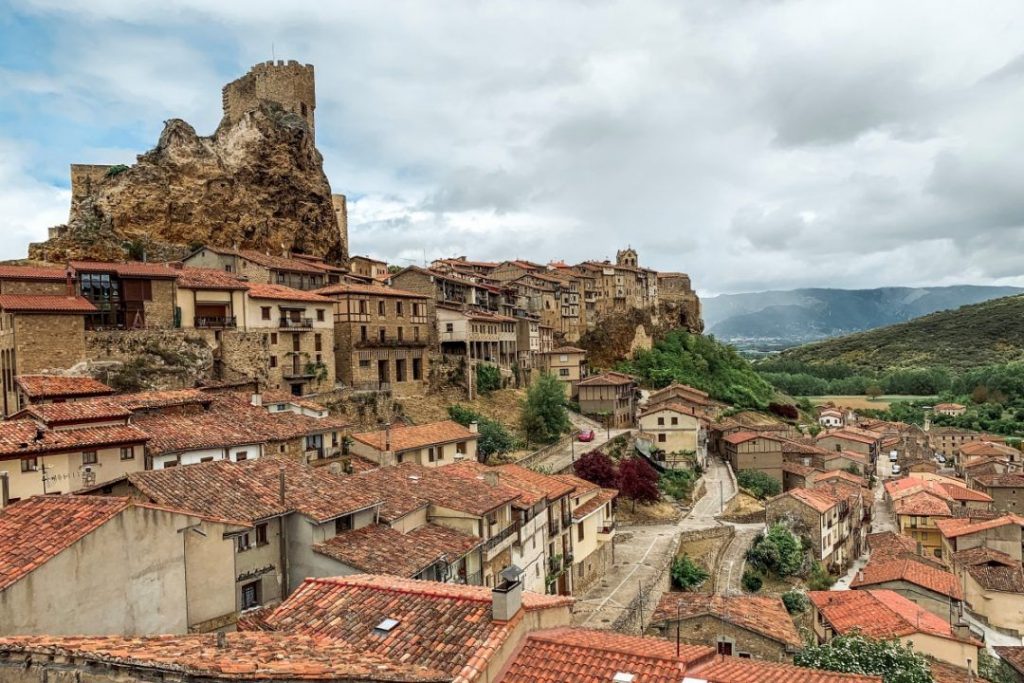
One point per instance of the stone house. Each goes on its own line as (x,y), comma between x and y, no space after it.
(1006,490)
(43,389)
(435,444)
(974,452)
(796,476)
(79,565)
(211,301)
(919,580)
(592,534)
(745,626)
(567,364)
(39,332)
(951,409)
(993,585)
(479,337)
(1002,534)
(682,394)
(754,451)
(677,430)
(846,460)
(528,347)
(259,268)
(819,517)
(298,337)
(612,396)
(887,615)
(382,337)
(946,440)
(922,500)
(447,289)
(851,439)
(36,280)
(374,270)
(128,295)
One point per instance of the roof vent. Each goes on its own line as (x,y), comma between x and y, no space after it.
(414,478)
(385,627)
(622,677)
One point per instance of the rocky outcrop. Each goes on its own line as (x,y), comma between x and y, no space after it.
(257,182)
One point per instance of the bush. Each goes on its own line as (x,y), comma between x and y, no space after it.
(494,438)
(598,468)
(820,579)
(544,417)
(758,483)
(751,581)
(488,378)
(777,551)
(795,601)
(856,653)
(784,410)
(116,169)
(677,483)
(687,575)
(638,481)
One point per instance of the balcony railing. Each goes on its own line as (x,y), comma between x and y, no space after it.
(215,322)
(473,579)
(497,542)
(390,342)
(297,323)
(298,370)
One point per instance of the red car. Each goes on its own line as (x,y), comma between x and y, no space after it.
(586,436)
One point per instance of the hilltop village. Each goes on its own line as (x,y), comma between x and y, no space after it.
(233,451)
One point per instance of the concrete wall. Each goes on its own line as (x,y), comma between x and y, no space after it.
(65,471)
(674,432)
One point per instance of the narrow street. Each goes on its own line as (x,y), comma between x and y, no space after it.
(563,458)
(730,573)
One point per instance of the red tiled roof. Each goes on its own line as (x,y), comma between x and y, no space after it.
(209,278)
(440,625)
(999,577)
(589,656)
(59,386)
(565,350)
(532,487)
(764,615)
(607,379)
(958,492)
(589,507)
(949,406)
(380,549)
(1008,480)
(580,486)
(843,475)
(408,437)
(250,491)
(952,528)
(408,487)
(33,273)
(45,303)
(282,293)
(889,544)
(885,570)
(127,269)
(268,261)
(246,656)
(878,614)
(52,414)
(144,400)
(1013,655)
(371,290)
(820,501)
(923,504)
(795,468)
(26,437)
(736,670)
(670,406)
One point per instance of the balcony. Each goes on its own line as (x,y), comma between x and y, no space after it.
(500,541)
(296,323)
(389,342)
(473,579)
(298,370)
(554,527)
(607,531)
(208,322)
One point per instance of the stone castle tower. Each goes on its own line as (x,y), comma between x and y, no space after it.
(627,257)
(288,84)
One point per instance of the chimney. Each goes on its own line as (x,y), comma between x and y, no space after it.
(69,275)
(281,482)
(474,427)
(387,436)
(257,399)
(491,477)
(860,576)
(962,630)
(222,640)
(507,596)
(5,490)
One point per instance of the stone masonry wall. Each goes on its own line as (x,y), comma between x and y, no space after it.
(160,309)
(708,630)
(48,341)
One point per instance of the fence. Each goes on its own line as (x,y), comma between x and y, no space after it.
(540,455)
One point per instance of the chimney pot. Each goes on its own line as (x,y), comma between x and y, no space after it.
(5,491)
(222,640)
(474,427)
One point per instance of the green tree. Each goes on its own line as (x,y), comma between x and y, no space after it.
(751,580)
(687,575)
(777,551)
(994,669)
(488,378)
(858,654)
(873,391)
(544,416)
(820,579)
(795,601)
(494,439)
(758,483)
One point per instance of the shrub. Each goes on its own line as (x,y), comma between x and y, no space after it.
(116,169)
(758,483)
(638,481)
(820,579)
(856,653)
(795,601)
(751,581)
(494,438)
(598,468)
(777,551)
(677,483)
(544,416)
(488,378)
(687,575)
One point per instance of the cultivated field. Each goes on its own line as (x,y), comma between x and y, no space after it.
(865,402)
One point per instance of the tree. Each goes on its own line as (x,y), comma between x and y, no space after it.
(687,575)
(494,438)
(638,481)
(488,378)
(820,579)
(758,483)
(994,669)
(795,601)
(598,468)
(873,391)
(777,551)
(856,653)
(544,416)
(751,580)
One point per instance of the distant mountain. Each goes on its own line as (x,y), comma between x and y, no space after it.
(980,334)
(802,315)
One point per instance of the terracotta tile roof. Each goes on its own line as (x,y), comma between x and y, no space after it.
(819,501)
(371,290)
(144,400)
(849,435)
(408,437)
(842,475)
(519,476)
(25,437)
(530,490)
(1012,655)
(1008,480)
(800,470)
(127,269)
(250,491)
(282,293)
(670,406)
(244,656)
(860,458)
(272,396)
(209,278)
(379,549)
(878,613)
(742,437)
(52,414)
(589,656)
(33,273)
(45,303)
(979,448)
(791,446)
(962,493)
(736,670)
(889,544)
(589,507)
(691,392)
(983,555)
(34,530)
(952,528)
(944,672)
(59,386)
(580,486)
(885,570)
(443,626)
(607,379)
(949,406)
(360,465)
(999,578)
(763,615)
(268,261)
(923,504)
(177,433)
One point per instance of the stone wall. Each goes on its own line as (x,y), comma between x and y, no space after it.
(133,360)
(710,630)
(48,341)
(592,568)
(160,308)
(291,85)
(245,355)
(33,287)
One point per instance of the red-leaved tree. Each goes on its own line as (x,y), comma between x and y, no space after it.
(598,468)
(638,481)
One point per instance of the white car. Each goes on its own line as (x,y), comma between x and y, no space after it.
(895,469)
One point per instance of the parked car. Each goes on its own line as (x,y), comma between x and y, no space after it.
(895,469)
(586,436)
(893,456)
(941,458)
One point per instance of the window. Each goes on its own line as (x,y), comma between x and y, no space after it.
(29,464)
(399,311)
(417,369)
(251,595)
(364,363)
(273,338)
(273,361)
(416,333)
(208,458)
(460,448)
(382,334)
(662,438)
(318,342)
(89,458)
(127,452)
(449,327)
(580,533)
(241,455)
(492,518)
(362,307)
(243,542)
(362,333)
(725,648)
(320,314)
(261,535)
(675,420)
(343,524)
(563,372)
(381,310)
(265,312)
(430,454)
(401,333)
(661,421)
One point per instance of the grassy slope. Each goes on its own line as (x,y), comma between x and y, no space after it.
(981,334)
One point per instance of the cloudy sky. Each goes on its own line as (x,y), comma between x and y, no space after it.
(752,144)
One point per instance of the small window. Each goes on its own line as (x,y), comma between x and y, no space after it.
(265,312)
(261,534)
(563,372)
(399,311)
(382,334)
(320,314)
(273,361)
(460,448)
(381,309)
(416,333)
(661,421)
(89,458)
(318,342)
(580,533)
(208,458)
(362,333)
(127,452)
(401,333)
(241,455)
(675,420)
(251,595)
(449,327)
(343,524)
(430,454)
(363,363)
(29,464)
(273,338)
(243,542)
(662,438)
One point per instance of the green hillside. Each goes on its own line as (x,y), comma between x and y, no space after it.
(988,333)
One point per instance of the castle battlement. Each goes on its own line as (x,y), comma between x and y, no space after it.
(289,84)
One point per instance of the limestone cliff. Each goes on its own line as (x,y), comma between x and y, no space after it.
(257,182)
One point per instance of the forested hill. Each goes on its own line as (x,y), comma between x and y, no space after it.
(802,315)
(971,336)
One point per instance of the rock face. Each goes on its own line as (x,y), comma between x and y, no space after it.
(257,182)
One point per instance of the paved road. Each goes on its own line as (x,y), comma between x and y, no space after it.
(563,458)
(730,573)
(719,488)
